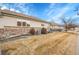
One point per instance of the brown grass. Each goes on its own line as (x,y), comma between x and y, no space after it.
(53,43)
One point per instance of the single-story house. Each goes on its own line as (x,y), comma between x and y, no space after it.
(18,23)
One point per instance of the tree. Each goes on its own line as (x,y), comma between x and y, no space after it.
(68,23)
(77,11)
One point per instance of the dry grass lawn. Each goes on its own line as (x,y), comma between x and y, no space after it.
(53,43)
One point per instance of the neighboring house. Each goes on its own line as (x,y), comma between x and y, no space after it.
(13,22)
(56,26)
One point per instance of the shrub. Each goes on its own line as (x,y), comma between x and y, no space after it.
(43,31)
(32,31)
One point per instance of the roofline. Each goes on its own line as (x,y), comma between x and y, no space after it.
(23,15)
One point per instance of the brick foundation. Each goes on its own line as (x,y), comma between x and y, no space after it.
(14,31)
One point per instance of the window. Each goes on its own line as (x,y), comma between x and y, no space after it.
(42,24)
(28,25)
(18,23)
(24,23)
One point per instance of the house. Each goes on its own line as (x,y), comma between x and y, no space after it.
(57,27)
(17,23)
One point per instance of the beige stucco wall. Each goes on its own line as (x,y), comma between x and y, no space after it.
(38,24)
(7,21)
(10,21)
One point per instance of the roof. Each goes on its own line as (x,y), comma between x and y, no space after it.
(23,15)
(55,24)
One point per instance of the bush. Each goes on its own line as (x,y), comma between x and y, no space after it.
(43,31)
(32,31)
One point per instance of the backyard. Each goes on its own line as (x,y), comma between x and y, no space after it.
(56,43)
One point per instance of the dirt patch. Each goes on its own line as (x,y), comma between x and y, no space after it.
(52,43)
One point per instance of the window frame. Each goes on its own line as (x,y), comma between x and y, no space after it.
(18,23)
(23,23)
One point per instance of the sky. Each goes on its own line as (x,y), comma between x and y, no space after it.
(52,12)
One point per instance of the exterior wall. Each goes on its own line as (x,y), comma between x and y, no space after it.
(38,24)
(58,27)
(77,29)
(8,26)
(7,21)
(1,32)
(10,21)
(17,30)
